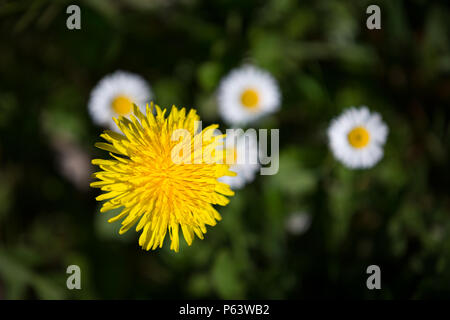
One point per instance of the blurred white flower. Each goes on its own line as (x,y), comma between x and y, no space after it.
(242,153)
(246,94)
(357,137)
(298,223)
(114,96)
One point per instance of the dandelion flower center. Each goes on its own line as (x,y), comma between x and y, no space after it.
(358,137)
(121,105)
(250,99)
(155,192)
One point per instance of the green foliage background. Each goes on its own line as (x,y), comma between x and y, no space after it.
(395,215)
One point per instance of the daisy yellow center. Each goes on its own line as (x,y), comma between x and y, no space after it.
(231,156)
(358,137)
(122,105)
(162,196)
(250,99)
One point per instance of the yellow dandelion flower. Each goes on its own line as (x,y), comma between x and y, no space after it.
(156,192)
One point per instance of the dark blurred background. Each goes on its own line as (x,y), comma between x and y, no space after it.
(308,232)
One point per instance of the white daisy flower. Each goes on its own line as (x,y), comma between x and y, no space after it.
(357,137)
(114,96)
(242,155)
(246,94)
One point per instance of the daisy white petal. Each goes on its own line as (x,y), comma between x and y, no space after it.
(242,155)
